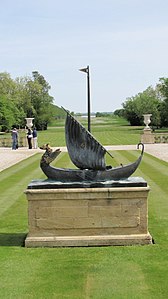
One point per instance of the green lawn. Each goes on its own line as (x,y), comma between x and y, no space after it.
(133,272)
(105,129)
(110,130)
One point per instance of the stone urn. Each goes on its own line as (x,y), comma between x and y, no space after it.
(147,121)
(29,122)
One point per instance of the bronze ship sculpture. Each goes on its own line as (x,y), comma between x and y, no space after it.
(88,155)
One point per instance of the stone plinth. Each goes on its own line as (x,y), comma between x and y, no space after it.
(147,137)
(87,216)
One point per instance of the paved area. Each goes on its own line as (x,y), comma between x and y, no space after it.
(9,157)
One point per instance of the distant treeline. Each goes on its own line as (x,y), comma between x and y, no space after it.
(29,96)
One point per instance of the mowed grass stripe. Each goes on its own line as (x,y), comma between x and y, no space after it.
(120,157)
(158,196)
(149,169)
(18,169)
(13,204)
(53,267)
(15,218)
(133,271)
(13,184)
(154,162)
(16,174)
(63,161)
(153,170)
(13,181)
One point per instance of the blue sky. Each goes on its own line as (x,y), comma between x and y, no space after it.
(125,43)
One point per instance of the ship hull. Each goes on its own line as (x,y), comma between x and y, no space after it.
(78,175)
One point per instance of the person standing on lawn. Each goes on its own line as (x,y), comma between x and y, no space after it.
(29,138)
(14,135)
(35,144)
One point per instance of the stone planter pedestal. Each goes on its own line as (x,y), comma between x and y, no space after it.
(88,216)
(148,137)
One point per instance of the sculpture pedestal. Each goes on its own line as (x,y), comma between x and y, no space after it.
(87,216)
(147,137)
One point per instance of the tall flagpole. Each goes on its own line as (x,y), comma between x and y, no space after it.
(86,70)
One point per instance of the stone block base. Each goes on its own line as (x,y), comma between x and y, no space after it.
(79,241)
(147,137)
(87,217)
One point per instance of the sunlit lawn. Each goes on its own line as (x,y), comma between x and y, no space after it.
(97,272)
(108,131)
(133,272)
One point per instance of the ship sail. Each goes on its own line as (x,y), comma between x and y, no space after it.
(84,150)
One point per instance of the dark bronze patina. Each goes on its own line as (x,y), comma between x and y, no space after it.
(88,155)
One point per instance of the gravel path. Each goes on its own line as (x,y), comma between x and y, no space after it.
(9,157)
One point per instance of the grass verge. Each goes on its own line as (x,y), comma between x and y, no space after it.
(135,272)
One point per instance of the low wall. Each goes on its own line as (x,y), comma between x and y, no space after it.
(149,137)
(87,216)
(161,137)
(7,142)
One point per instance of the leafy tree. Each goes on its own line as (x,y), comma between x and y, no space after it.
(9,114)
(38,93)
(25,97)
(119,112)
(40,79)
(34,98)
(130,112)
(162,89)
(7,85)
(143,103)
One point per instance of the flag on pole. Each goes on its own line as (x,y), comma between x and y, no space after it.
(85,70)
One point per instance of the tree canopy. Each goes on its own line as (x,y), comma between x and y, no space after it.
(154,101)
(28,96)
(24,97)
(162,88)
